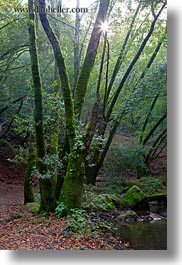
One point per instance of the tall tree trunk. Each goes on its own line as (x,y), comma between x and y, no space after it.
(93,122)
(46,189)
(71,193)
(90,57)
(28,187)
(77,47)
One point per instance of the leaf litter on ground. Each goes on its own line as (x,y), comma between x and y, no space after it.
(20,230)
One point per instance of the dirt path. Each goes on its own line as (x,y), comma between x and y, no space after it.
(11,194)
(11,183)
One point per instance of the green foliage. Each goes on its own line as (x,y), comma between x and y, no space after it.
(52,164)
(82,223)
(60,210)
(21,156)
(78,146)
(112,186)
(97,142)
(52,100)
(100,202)
(152,185)
(76,221)
(76,217)
(123,161)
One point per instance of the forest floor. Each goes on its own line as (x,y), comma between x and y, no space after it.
(21,230)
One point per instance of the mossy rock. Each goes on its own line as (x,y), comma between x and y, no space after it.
(116,200)
(160,197)
(101,202)
(127,216)
(134,198)
(33,207)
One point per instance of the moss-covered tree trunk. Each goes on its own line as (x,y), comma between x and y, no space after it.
(81,87)
(46,190)
(28,187)
(73,181)
(71,193)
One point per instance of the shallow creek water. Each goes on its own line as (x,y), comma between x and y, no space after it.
(144,235)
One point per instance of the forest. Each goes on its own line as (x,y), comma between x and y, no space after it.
(83,124)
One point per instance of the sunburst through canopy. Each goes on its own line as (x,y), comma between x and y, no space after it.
(104,26)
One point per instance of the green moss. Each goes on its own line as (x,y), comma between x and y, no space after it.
(157,197)
(127,214)
(46,189)
(133,197)
(28,188)
(33,207)
(81,87)
(71,194)
(48,203)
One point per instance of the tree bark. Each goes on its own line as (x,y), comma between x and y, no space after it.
(28,187)
(145,141)
(46,190)
(77,47)
(148,116)
(90,57)
(72,189)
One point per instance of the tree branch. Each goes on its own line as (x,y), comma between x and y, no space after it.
(154,128)
(132,64)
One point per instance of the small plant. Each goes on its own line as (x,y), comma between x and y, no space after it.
(21,156)
(78,144)
(60,210)
(52,163)
(76,220)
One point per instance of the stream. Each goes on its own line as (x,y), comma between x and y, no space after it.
(145,235)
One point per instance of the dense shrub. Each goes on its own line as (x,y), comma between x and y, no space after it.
(123,161)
